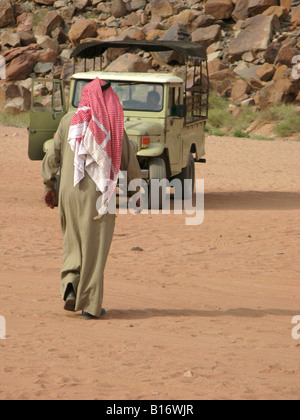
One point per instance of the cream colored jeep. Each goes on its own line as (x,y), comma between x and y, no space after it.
(164,115)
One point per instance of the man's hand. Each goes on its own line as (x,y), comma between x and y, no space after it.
(50,198)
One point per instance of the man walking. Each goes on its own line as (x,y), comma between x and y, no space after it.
(89,148)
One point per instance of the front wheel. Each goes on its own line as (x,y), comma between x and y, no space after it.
(157,172)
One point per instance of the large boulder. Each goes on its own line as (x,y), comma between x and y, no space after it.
(219,9)
(284,90)
(280,11)
(20,67)
(43,68)
(6,14)
(256,7)
(161,9)
(138,4)
(186,18)
(26,38)
(133,19)
(272,52)
(10,39)
(129,62)
(241,10)
(19,62)
(255,36)
(222,81)
(47,55)
(261,98)
(132,33)
(287,52)
(46,42)
(105,32)
(177,32)
(240,91)
(59,35)
(16,106)
(203,21)
(13,93)
(207,36)
(280,72)
(25,22)
(287,4)
(295,17)
(67,12)
(215,65)
(80,5)
(85,28)
(51,21)
(118,8)
(245,71)
(265,72)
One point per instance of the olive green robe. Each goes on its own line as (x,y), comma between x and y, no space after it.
(86,242)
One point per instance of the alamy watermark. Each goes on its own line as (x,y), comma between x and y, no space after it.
(296,67)
(296,329)
(2,328)
(2,68)
(158,200)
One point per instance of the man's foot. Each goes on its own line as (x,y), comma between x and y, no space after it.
(86,315)
(70,301)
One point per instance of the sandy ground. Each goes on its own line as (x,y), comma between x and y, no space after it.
(202,312)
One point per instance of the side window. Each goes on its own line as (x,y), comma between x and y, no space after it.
(174,101)
(42,96)
(57,98)
(47,96)
(78,89)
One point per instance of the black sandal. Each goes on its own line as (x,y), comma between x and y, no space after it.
(86,315)
(70,301)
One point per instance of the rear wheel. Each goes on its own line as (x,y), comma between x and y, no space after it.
(188,173)
(157,172)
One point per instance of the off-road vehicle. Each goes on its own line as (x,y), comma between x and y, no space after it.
(164,115)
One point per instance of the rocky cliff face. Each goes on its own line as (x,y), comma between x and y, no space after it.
(253,46)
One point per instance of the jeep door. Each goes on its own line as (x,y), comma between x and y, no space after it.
(48,106)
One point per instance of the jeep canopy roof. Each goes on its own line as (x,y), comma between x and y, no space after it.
(188,50)
(129,77)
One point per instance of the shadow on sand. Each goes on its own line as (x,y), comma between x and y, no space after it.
(237,312)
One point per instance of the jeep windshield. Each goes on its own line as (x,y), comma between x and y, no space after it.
(133,96)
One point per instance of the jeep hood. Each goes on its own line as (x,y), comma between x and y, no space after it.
(143,128)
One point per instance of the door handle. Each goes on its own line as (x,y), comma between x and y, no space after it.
(55,114)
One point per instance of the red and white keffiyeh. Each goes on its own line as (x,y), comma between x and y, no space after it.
(95,136)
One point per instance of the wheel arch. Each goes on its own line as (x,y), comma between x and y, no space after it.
(193,148)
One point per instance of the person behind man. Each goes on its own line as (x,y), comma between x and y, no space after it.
(89,148)
(153,99)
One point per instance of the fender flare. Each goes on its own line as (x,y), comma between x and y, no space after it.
(153,150)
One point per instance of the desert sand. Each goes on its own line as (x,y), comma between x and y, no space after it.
(200,312)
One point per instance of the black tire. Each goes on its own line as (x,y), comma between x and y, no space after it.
(188,173)
(157,171)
